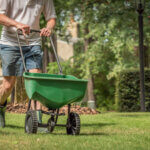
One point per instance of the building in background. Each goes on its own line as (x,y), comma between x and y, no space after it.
(65,49)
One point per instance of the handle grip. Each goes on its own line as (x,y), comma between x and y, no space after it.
(32,30)
(19,31)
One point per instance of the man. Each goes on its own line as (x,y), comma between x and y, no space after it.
(23,15)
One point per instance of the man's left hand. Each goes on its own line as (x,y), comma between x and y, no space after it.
(45,32)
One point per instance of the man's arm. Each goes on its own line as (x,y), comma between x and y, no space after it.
(49,27)
(6,21)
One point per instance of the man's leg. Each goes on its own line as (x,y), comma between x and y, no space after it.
(5,90)
(35,105)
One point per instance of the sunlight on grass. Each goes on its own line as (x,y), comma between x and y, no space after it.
(117,131)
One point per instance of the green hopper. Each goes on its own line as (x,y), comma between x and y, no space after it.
(54,91)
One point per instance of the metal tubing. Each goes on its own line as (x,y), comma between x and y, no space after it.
(57,116)
(60,125)
(69,108)
(58,62)
(42,125)
(29,105)
(21,52)
(48,113)
(141,57)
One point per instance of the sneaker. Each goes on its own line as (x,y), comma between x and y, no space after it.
(2,115)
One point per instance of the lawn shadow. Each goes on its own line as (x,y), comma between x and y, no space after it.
(96,133)
(98,124)
(6,133)
(14,127)
(133,115)
(84,134)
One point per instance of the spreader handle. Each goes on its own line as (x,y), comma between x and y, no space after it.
(32,30)
(21,52)
(56,56)
(19,32)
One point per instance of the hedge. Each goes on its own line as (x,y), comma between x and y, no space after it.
(127,94)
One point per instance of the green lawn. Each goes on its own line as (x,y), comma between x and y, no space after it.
(107,131)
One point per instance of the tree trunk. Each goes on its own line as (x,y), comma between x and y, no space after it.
(91,97)
(90,88)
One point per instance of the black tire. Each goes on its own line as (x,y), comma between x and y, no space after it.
(51,124)
(2,119)
(31,122)
(2,115)
(73,124)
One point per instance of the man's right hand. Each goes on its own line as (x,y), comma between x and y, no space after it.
(4,20)
(24,28)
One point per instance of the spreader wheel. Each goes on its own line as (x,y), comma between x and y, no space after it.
(73,124)
(31,122)
(51,124)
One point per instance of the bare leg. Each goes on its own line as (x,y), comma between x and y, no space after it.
(6,88)
(36,106)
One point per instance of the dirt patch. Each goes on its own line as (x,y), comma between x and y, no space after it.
(22,108)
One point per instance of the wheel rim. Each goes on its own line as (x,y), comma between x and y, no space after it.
(73,125)
(29,125)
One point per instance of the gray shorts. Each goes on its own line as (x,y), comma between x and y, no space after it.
(12,64)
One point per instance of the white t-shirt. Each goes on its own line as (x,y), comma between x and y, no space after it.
(27,12)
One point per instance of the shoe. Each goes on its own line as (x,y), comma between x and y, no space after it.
(2,115)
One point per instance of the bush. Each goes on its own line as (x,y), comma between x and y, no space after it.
(104,90)
(127,94)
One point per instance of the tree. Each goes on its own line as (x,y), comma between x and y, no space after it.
(108,31)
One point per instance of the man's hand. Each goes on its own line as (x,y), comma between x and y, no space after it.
(45,32)
(24,28)
(6,21)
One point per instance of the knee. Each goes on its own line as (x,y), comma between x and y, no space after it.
(8,83)
(8,86)
(35,71)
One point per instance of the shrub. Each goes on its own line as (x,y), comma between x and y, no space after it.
(127,94)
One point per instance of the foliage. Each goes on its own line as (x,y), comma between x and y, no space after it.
(54,69)
(128,90)
(112,30)
(104,91)
(114,34)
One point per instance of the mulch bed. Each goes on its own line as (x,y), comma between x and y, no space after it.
(22,108)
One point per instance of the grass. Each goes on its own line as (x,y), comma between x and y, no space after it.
(115,131)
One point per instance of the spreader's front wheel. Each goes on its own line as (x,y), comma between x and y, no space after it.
(31,122)
(73,124)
